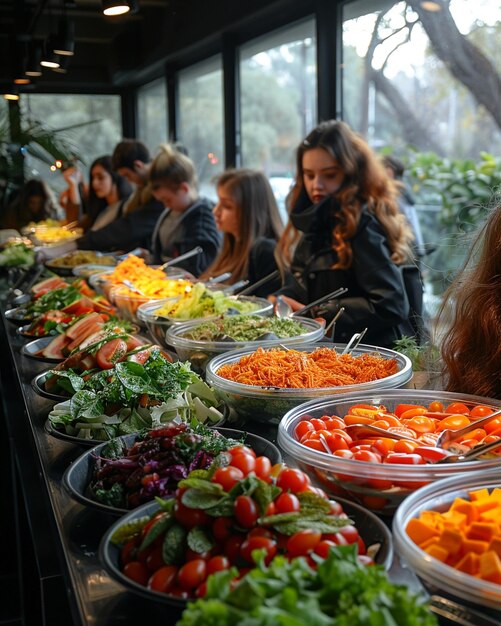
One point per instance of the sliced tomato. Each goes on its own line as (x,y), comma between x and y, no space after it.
(111,353)
(133,343)
(55,347)
(430,454)
(140,357)
(89,321)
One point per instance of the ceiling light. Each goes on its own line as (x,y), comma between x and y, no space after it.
(429,5)
(33,62)
(49,59)
(21,81)
(12,95)
(115,7)
(63,43)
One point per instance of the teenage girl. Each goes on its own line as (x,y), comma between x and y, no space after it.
(247,215)
(346,230)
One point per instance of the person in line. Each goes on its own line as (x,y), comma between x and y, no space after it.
(395,170)
(105,197)
(345,230)
(248,216)
(134,227)
(187,220)
(34,203)
(469,321)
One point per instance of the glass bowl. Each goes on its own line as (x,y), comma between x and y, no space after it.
(159,325)
(380,487)
(98,282)
(199,352)
(270,404)
(435,575)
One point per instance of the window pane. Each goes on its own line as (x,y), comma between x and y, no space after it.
(200,121)
(411,89)
(278,100)
(92,123)
(152,114)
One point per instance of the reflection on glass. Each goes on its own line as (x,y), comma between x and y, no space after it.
(200,129)
(152,114)
(278,101)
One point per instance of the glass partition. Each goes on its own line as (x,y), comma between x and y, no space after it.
(152,114)
(278,101)
(200,119)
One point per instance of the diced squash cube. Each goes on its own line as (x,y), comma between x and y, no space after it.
(474,545)
(437,552)
(484,531)
(469,564)
(490,567)
(479,494)
(451,540)
(419,531)
(495,545)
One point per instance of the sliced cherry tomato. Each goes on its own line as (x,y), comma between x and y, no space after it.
(404,459)
(140,357)
(333,422)
(430,454)
(367,456)
(314,444)
(420,410)
(405,446)
(303,428)
(401,408)
(318,424)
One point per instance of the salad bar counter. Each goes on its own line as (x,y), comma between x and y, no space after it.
(62,580)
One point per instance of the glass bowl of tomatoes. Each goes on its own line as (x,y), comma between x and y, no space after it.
(327,438)
(462,560)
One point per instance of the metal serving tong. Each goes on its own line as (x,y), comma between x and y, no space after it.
(235,287)
(259,283)
(354,341)
(449,435)
(458,613)
(282,309)
(182,257)
(218,279)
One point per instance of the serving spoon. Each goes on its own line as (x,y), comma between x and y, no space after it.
(182,257)
(283,309)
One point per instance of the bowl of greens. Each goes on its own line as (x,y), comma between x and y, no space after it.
(198,342)
(200,304)
(143,392)
(128,471)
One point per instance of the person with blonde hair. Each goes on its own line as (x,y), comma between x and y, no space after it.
(187,220)
(247,215)
(345,230)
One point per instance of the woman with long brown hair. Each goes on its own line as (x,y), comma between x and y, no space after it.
(247,215)
(470,344)
(346,230)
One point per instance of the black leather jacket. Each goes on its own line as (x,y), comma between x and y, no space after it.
(376,296)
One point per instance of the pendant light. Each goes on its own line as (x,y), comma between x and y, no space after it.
(63,42)
(115,7)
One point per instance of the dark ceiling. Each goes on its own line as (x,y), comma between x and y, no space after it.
(115,53)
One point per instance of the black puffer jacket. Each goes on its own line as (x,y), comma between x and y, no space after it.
(376,296)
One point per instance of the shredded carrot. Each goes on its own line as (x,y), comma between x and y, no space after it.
(292,369)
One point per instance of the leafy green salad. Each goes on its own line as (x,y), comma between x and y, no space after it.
(341,592)
(17,255)
(133,396)
(201,302)
(245,328)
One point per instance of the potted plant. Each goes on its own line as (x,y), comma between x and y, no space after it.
(426,363)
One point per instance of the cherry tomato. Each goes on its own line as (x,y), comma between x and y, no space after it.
(258,543)
(318,424)
(155,560)
(413,413)
(190,518)
(405,446)
(314,444)
(228,477)
(128,552)
(262,467)
(492,425)
(192,574)
(454,422)
(244,462)
(232,547)
(303,428)
(303,542)
(350,533)
(292,479)
(367,456)
(191,555)
(336,442)
(336,508)
(430,454)
(217,564)
(343,454)
(436,407)
(138,572)
(404,459)
(402,408)
(163,579)
(383,445)
(458,407)
(201,591)
(287,503)
(333,422)
(246,511)
(221,528)
(323,548)
(336,538)
(420,424)
(480,411)
(241,449)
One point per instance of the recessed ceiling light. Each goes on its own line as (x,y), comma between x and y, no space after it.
(429,5)
(11,96)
